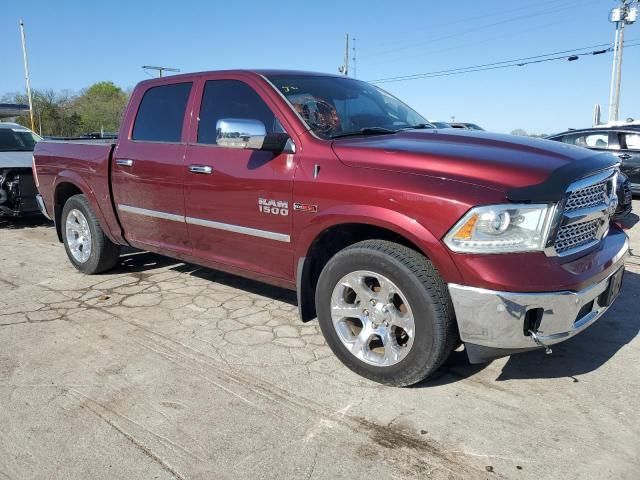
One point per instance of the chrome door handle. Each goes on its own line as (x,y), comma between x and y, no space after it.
(624,156)
(201,169)
(124,162)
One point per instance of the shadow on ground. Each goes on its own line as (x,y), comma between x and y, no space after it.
(34,221)
(589,350)
(630,221)
(136,261)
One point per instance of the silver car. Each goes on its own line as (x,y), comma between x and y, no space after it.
(17,187)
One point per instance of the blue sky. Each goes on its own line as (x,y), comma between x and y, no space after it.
(73,44)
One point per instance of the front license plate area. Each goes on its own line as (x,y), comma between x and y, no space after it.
(613,290)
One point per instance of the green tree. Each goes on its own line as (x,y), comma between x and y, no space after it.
(100,107)
(52,111)
(66,114)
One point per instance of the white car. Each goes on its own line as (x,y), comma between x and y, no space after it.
(17,188)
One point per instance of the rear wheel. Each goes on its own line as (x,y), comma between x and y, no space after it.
(87,246)
(385,312)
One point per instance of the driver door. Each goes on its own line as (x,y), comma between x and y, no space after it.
(238,202)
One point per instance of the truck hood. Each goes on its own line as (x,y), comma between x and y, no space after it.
(15,159)
(503,162)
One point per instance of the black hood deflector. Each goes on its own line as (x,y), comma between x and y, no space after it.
(555,187)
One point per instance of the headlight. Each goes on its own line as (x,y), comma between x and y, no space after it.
(502,229)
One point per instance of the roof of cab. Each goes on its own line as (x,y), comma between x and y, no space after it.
(259,72)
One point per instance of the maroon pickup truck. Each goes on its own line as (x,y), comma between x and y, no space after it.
(405,241)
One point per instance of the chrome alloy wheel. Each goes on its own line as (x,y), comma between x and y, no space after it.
(78,236)
(372,317)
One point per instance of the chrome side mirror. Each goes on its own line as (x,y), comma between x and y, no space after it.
(241,133)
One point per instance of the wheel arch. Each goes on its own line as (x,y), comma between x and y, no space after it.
(67,185)
(335,231)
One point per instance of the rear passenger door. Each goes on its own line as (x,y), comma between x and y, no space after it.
(238,202)
(148,169)
(630,157)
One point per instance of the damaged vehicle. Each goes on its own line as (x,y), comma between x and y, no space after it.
(17,188)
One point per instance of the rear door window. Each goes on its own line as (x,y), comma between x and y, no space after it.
(161,113)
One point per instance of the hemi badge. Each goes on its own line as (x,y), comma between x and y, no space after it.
(305,207)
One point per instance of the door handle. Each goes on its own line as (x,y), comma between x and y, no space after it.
(124,162)
(624,156)
(201,169)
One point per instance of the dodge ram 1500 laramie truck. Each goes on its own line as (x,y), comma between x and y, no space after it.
(402,239)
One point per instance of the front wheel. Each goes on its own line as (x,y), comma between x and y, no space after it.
(87,246)
(385,312)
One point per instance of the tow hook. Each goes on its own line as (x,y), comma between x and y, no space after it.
(536,339)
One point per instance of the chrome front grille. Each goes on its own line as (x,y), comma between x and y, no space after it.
(588,208)
(587,197)
(576,235)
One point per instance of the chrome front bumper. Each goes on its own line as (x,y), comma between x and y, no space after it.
(498,320)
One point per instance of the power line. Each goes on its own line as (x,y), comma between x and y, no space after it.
(475,29)
(505,61)
(386,43)
(518,62)
(475,43)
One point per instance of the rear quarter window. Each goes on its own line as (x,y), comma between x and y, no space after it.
(632,141)
(161,113)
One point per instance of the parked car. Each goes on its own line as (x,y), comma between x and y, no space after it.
(621,140)
(403,240)
(466,126)
(17,188)
(625,197)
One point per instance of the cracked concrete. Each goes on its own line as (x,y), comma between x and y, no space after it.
(166,370)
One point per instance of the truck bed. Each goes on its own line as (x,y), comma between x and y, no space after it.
(86,164)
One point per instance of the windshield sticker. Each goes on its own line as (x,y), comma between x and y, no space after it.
(288,88)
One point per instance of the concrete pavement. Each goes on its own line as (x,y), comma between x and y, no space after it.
(166,370)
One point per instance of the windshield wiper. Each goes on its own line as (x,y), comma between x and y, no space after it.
(419,126)
(366,131)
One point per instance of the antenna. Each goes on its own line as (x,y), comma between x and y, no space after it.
(160,69)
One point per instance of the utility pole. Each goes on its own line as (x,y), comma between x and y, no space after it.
(625,14)
(344,69)
(355,71)
(596,115)
(160,69)
(26,74)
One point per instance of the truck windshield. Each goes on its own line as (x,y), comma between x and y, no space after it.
(336,106)
(17,140)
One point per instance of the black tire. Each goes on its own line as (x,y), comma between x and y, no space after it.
(104,253)
(435,330)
